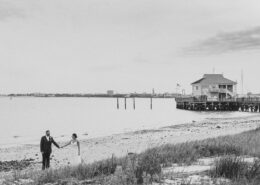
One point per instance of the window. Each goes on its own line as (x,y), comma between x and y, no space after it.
(197,87)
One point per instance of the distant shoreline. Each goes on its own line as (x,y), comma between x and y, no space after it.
(57,95)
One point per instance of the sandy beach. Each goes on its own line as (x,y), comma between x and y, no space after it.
(138,141)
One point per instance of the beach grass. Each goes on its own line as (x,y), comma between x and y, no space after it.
(147,166)
(246,143)
(236,169)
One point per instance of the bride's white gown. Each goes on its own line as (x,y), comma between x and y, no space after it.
(75,159)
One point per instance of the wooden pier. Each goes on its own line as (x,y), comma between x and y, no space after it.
(203,104)
(134,101)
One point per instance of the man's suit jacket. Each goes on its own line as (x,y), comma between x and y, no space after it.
(46,144)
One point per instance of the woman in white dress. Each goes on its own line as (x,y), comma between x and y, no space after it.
(76,158)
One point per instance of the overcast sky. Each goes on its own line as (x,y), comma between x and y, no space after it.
(126,45)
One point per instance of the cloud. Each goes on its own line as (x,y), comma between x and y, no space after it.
(8,10)
(140,59)
(227,42)
(106,68)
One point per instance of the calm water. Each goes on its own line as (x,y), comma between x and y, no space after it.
(24,120)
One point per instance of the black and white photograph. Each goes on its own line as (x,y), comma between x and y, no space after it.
(129,92)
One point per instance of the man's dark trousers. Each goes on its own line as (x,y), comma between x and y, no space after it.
(45,160)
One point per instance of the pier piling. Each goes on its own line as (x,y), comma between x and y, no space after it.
(117,103)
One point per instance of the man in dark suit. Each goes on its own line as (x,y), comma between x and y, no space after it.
(46,142)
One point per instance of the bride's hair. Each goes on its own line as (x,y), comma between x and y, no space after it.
(75,135)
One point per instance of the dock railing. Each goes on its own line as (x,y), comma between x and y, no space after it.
(194,99)
(248,99)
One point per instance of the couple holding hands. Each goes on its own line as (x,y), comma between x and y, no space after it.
(46,149)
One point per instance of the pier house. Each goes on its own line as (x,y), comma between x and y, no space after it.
(214,92)
(215,87)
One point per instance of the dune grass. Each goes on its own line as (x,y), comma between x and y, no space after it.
(236,169)
(246,143)
(136,168)
(231,167)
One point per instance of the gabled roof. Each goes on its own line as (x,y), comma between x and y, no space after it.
(214,79)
